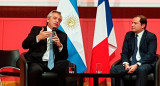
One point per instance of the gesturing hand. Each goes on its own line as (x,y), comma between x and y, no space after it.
(44,34)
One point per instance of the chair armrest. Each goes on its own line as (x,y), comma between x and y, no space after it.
(116,63)
(9,71)
(157,71)
(23,70)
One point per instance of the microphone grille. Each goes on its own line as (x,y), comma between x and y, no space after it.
(53,29)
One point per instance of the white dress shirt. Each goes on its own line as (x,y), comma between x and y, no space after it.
(46,54)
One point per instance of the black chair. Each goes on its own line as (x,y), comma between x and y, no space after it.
(9,59)
(153,78)
(47,77)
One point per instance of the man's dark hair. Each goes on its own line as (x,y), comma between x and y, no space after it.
(143,20)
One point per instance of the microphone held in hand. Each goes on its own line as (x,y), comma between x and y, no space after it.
(53,31)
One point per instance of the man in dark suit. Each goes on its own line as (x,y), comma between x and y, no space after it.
(38,42)
(138,53)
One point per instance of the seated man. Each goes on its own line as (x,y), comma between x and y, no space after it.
(47,49)
(138,52)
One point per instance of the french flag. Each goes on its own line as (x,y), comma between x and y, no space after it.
(71,26)
(104,42)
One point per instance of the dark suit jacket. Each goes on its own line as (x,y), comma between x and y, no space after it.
(37,50)
(147,47)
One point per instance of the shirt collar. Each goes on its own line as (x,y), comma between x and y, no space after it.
(49,29)
(140,34)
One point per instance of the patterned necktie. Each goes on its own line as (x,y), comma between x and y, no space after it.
(134,60)
(51,55)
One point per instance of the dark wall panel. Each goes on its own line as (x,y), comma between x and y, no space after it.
(84,12)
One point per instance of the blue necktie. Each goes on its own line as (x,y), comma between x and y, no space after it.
(134,60)
(51,55)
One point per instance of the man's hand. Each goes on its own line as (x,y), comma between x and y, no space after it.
(127,67)
(133,68)
(44,34)
(57,41)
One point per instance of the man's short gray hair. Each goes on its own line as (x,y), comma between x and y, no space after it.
(53,11)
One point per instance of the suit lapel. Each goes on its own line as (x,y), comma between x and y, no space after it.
(143,38)
(132,40)
(45,29)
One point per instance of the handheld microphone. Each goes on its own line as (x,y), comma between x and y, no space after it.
(53,31)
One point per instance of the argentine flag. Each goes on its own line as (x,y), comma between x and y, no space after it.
(71,26)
